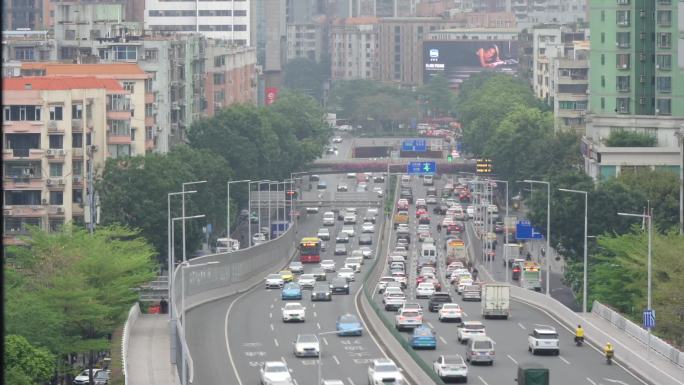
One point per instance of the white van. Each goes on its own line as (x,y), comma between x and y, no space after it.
(328,218)
(428,255)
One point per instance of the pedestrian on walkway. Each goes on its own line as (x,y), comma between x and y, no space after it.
(164,306)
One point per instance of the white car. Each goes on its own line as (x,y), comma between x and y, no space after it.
(468,329)
(306,281)
(323,234)
(351,175)
(349,230)
(258,238)
(462,283)
(293,311)
(412,306)
(543,339)
(451,368)
(384,371)
(328,265)
(379,192)
(382,284)
(274,281)
(422,228)
(346,273)
(368,227)
(408,319)
(372,211)
(275,372)
(100,377)
(342,187)
(307,345)
(350,219)
(450,312)
(425,290)
(312,210)
(337,139)
(366,252)
(394,301)
(328,218)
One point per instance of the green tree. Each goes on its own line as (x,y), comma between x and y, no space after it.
(85,281)
(305,76)
(26,364)
(133,191)
(630,139)
(437,96)
(661,189)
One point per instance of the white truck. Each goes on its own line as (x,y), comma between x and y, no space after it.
(496,301)
(227,245)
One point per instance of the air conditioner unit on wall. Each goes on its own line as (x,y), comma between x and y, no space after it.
(7,212)
(48,182)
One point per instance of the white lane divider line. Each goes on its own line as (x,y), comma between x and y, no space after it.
(295,381)
(272,306)
(313,305)
(430,325)
(591,381)
(512,359)
(465,314)
(318,325)
(270,315)
(522,326)
(483,381)
(325,341)
(272,328)
(350,381)
(276,342)
(443,340)
(315,315)
(336,360)
(564,360)
(615,381)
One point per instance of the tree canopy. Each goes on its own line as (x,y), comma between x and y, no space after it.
(67,291)
(630,139)
(437,96)
(26,364)
(306,76)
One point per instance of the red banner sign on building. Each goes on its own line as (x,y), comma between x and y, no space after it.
(271,95)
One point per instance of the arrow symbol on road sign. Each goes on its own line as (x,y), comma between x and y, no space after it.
(426,167)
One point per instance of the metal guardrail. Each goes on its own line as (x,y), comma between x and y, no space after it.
(133,315)
(619,321)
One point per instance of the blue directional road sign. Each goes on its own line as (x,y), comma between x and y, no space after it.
(649,319)
(415,145)
(524,230)
(421,168)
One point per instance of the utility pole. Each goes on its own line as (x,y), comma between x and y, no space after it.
(91,190)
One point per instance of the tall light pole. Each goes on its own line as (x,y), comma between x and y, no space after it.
(228,183)
(290,194)
(259,183)
(584,280)
(169,241)
(649,218)
(183,212)
(183,266)
(172,300)
(680,136)
(505,229)
(548,231)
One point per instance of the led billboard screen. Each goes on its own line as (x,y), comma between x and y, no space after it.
(457,60)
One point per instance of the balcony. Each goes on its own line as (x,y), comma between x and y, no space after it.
(149,97)
(77,125)
(55,210)
(54,126)
(119,115)
(23,127)
(77,180)
(55,153)
(25,210)
(77,152)
(149,144)
(21,182)
(149,121)
(118,138)
(55,183)
(22,154)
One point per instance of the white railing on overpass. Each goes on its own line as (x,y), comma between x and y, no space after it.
(133,314)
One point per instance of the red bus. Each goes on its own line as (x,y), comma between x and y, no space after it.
(310,250)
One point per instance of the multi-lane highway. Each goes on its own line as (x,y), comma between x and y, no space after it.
(574,365)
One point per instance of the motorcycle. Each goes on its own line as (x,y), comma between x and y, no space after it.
(609,358)
(579,340)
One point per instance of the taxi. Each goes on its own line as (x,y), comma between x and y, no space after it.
(286,275)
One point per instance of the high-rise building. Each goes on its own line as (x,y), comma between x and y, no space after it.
(636,84)
(22,15)
(214,19)
(532,12)
(353,48)
(56,129)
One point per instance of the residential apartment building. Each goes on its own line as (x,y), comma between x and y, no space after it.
(134,10)
(22,15)
(354,48)
(214,19)
(532,12)
(637,84)
(231,76)
(28,46)
(306,40)
(570,88)
(56,129)
(128,131)
(400,47)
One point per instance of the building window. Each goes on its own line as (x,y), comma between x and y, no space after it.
(22,113)
(664,62)
(622,83)
(119,102)
(603,37)
(603,59)
(128,86)
(603,15)
(119,150)
(125,52)
(151,54)
(77,140)
(622,18)
(622,39)
(664,18)
(220,61)
(664,40)
(70,34)
(603,103)
(76,111)
(664,84)
(119,128)
(77,168)
(23,53)
(77,196)
(664,107)
(56,112)
(149,111)
(219,78)
(622,61)
(148,85)
(56,141)
(622,105)
(56,169)
(57,198)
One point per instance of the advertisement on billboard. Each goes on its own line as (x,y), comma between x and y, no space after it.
(271,95)
(457,60)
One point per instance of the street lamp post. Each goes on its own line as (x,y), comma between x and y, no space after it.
(548,231)
(228,204)
(584,280)
(505,229)
(183,212)
(649,218)
(259,183)
(169,232)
